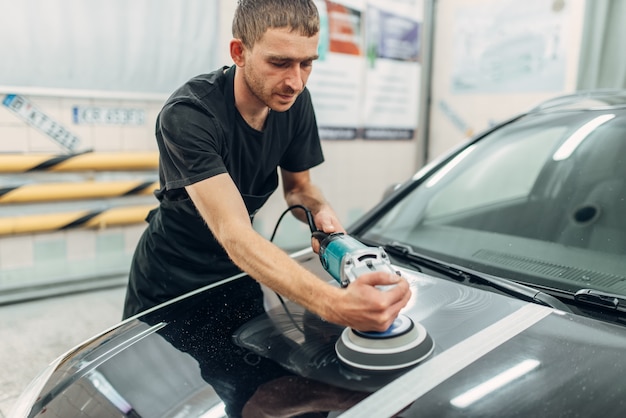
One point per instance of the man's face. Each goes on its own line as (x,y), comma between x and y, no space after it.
(278,67)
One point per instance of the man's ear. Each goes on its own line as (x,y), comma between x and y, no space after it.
(237,49)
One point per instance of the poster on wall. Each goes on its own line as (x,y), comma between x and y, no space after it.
(365,83)
(510,46)
(335,82)
(392,74)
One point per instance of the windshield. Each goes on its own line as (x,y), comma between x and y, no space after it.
(541,200)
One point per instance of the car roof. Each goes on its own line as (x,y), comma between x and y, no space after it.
(584,100)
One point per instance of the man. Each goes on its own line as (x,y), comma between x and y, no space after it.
(222,137)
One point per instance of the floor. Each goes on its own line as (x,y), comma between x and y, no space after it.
(34,333)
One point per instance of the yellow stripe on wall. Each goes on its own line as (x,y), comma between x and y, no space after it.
(59,221)
(100,161)
(50,192)
(120,216)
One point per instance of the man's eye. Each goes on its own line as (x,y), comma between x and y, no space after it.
(307,63)
(279,64)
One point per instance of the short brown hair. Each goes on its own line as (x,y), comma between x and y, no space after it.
(254,17)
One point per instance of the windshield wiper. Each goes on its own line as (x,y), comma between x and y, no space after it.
(599,298)
(509,287)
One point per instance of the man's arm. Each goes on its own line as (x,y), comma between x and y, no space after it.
(361,306)
(299,190)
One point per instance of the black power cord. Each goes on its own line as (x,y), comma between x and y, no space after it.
(315,233)
(307,212)
(309,217)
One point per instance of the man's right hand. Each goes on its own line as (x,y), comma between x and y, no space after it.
(365,307)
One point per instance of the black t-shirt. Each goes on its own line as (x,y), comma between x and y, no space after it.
(200,134)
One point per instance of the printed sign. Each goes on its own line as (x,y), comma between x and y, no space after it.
(365,83)
(107,116)
(39,120)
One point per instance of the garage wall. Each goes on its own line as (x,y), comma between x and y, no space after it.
(353,178)
(114,45)
(494,58)
(69,259)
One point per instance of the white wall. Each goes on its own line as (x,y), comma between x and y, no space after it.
(113,45)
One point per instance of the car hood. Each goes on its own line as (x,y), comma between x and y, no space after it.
(493,355)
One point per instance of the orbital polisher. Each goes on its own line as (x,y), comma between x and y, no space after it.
(404,344)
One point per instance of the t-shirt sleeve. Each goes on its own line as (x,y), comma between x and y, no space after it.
(190,145)
(305,150)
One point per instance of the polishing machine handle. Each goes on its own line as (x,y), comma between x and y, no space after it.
(346,258)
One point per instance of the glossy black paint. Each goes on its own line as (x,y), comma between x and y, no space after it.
(184,357)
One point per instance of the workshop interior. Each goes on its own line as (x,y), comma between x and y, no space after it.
(398,83)
(78,155)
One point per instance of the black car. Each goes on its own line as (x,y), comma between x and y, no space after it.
(514,245)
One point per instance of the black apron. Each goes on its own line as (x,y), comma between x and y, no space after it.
(177,253)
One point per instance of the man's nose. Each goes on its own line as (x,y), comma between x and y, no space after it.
(294,78)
